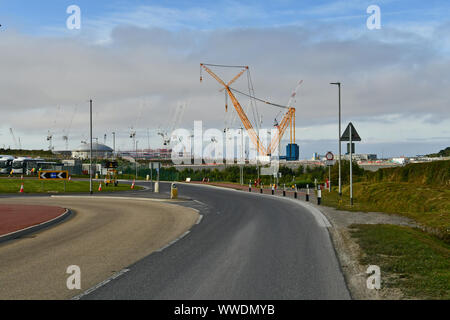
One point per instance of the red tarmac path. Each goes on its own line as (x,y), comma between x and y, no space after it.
(17,217)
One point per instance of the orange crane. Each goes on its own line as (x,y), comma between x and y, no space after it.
(287,121)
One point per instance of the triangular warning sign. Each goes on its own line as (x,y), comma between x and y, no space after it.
(346,134)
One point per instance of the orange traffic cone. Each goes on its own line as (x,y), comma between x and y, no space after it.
(100,187)
(21,188)
(132,186)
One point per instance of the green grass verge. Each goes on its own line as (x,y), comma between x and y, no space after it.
(428,205)
(36,186)
(413,261)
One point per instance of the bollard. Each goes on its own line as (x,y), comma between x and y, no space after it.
(261,186)
(319,196)
(96,176)
(307,192)
(250,187)
(295,192)
(173,191)
(148,177)
(284,190)
(273,189)
(156,187)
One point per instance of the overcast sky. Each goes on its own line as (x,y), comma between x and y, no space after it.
(139,59)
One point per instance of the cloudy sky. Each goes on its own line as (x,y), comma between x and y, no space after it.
(138,60)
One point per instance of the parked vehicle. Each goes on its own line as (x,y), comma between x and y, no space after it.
(22,164)
(6,164)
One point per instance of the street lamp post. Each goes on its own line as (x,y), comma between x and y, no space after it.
(114,145)
(339,138)
(90,157)
(136,159)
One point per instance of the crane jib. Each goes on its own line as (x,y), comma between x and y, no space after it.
(288,119)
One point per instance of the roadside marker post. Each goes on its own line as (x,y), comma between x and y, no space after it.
(295,193)
(284,190)
(350,134)
(319,196)
(307,193)
(330,163)
(261,188)
(273,189)
(250,187)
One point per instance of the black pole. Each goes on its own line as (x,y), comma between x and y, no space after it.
(90,156)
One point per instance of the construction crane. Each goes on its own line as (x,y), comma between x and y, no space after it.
(18,145)
(50,140)
(66,131)
(176,120)
(287,121)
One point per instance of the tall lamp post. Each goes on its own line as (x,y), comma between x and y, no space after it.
(114,145)
(136,160)
(339,137)
(90,156)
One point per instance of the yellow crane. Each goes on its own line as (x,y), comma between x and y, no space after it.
(287,121)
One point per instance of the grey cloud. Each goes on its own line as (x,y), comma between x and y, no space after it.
(161,68)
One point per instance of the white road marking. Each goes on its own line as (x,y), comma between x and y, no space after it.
(115,276)
(101,284)
(172,242)
(199,202)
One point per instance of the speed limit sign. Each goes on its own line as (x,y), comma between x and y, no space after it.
(330,156)
(330,159)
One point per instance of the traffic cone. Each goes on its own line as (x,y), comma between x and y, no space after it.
(100,187)
(132,186)
(21,188)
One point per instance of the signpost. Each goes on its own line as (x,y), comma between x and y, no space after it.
(330,162)
(350,134)
(54,175)
(157,167)
(112,164)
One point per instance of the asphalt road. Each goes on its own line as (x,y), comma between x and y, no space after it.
(102,237)
(248,246)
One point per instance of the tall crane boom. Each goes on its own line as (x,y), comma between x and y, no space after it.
(288,119)
(14,139)
(247,124)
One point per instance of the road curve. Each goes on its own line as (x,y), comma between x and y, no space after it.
(248,246)
(103,237)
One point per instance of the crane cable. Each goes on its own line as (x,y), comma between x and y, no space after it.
(260,100)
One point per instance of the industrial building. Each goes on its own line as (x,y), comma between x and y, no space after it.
(99,151)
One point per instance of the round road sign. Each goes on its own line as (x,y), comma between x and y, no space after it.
(330,156)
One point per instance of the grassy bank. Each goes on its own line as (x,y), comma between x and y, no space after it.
(411,260)
(36,186)
(426,204)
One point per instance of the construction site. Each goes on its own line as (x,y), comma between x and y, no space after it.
(198,156)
